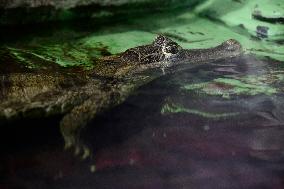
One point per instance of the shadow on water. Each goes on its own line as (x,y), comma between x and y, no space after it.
(219,125)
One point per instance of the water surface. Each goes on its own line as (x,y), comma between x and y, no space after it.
(218,125)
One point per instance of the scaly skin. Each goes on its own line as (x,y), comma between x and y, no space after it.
(81,96)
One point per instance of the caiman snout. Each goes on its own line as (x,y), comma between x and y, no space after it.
(227,49)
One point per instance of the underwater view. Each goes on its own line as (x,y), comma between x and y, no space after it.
(141,94)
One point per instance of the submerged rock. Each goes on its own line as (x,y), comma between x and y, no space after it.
(37,11)
(69,3)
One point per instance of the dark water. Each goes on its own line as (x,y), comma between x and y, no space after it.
(169,134)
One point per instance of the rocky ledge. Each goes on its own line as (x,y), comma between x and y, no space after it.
(37,11)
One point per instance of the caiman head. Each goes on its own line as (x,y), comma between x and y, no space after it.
(162,49)
(164,52)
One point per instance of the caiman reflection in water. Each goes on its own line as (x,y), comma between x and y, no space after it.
(215,126)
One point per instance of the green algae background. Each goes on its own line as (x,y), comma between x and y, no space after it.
(206,25)
(258,25)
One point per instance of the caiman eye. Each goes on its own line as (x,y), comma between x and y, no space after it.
(173,49)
